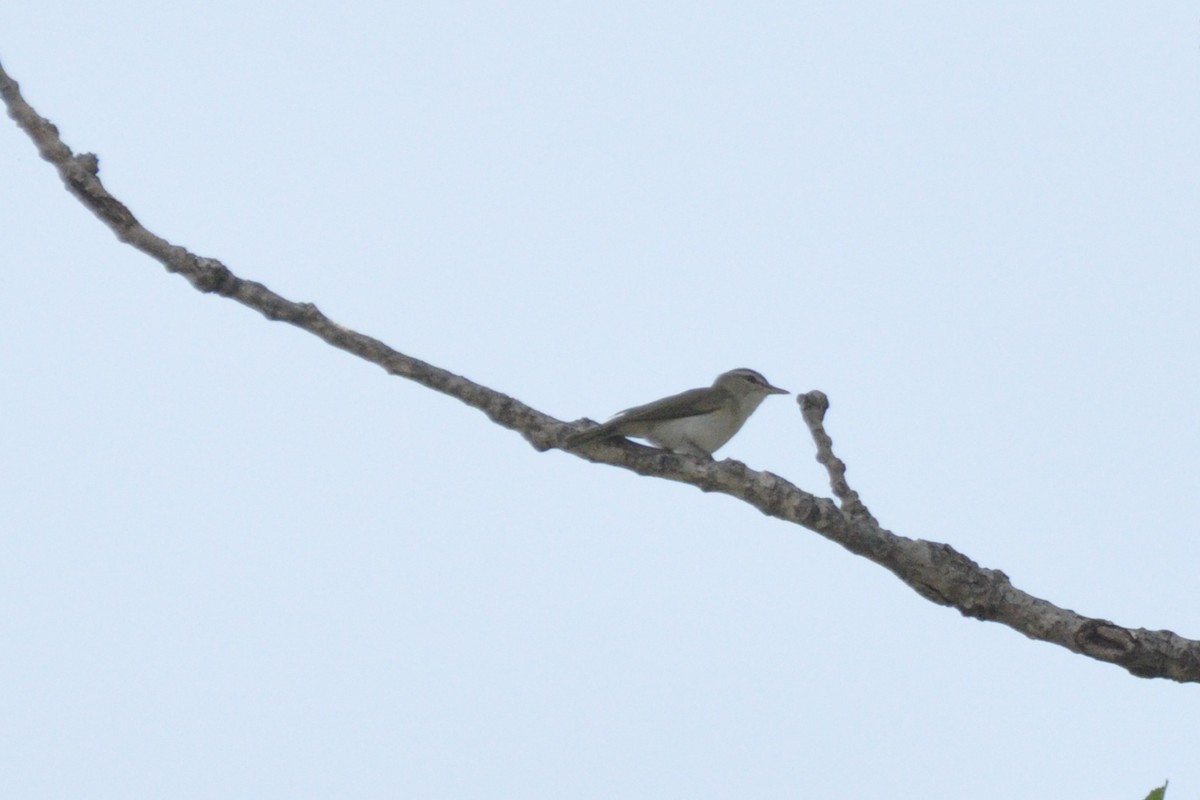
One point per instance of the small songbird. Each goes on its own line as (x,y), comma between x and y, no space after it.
(696,422)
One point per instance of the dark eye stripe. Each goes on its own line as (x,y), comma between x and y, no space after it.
(752,376)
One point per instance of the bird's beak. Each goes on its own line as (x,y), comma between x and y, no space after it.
(776,390)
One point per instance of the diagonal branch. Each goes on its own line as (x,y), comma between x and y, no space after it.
(813,406)
(935,571)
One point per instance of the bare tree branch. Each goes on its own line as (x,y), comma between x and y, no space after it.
(813,406)
(935,571)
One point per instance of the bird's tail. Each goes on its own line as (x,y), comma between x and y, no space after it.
(603,431)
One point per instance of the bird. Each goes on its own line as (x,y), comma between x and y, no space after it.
(697,422)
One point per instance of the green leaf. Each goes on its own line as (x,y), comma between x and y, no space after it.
(1159,793)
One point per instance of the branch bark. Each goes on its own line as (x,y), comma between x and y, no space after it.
(935,571)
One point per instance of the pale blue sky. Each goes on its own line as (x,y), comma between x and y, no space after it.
(238,563)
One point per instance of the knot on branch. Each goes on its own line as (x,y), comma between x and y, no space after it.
(90,162)
(211,276)
(813,404)
(1104,639)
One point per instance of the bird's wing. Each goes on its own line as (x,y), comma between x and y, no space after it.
(691,403)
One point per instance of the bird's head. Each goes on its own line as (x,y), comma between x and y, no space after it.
(746,382)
